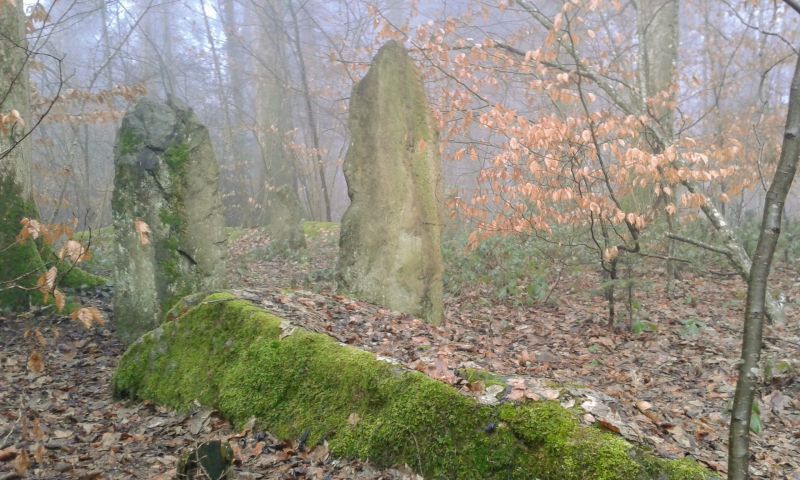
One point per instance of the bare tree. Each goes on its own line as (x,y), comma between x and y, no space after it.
(755,311)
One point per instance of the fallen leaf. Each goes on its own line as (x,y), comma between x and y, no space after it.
(61,299)
(89,316)
(608,425)
(143,229)
(38,454)
(36,362)
(22,463)
(353,419)
(8,453)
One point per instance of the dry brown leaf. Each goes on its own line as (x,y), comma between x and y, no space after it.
(61,299)
(50,276)
(36,431)
(61,434)
(31,228)
(37,334)
(7,454)
(36,362)
(89,316)
(74,251)
(143,229)
(353,419)
(38,454)
(518,389)
(47,281)
(22,463)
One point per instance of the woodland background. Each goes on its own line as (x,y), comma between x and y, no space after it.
(605,163)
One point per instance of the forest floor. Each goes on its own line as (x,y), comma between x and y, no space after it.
(669,386)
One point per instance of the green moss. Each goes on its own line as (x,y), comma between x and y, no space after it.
(176,157)
(562,445)
(20,264)
(235,233)
(79,278)
(236,357)
(488,379)
(315,229)
(128,143)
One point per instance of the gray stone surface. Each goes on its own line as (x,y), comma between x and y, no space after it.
(391,233)
(166,175)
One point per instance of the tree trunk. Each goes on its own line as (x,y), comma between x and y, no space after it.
(738,449)
(19,264)
(657,29)
(282,210)
(312,122)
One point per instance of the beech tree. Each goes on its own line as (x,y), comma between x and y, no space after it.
(20,264)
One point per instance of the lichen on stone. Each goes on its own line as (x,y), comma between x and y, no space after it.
(390,242)
(166,176)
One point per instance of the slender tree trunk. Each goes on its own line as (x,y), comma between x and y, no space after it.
(312,122)
(282,210)
(228,137)
(244,168)
(739,441)
(657,29)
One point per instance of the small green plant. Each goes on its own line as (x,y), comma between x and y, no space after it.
(642,326)
(690,327)
(755,419)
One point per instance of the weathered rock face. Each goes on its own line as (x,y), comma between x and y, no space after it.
(167,177)
(390,243)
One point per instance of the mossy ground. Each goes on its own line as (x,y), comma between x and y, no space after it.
(313,230)
(230,354)
(474,375)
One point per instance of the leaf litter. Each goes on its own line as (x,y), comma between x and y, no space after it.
(669,387)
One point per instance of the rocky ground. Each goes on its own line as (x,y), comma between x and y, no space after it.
(669,386)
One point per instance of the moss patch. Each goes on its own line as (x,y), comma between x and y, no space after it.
(229,354)
(20,265)
(315,229)
(488,379)
(129,142)
(78,278)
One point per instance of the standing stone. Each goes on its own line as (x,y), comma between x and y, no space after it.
(390,244)
(167,177)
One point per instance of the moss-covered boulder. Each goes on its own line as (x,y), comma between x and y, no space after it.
(167,179)
(390,243)
(228,354)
